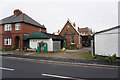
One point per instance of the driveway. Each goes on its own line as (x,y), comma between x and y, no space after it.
(71,54)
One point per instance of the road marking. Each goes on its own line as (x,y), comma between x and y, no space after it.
(9,69)
(64,77)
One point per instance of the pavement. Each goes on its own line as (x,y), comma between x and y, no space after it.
(95,63)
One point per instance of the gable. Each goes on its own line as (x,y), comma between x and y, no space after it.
(22,17)
(68,29)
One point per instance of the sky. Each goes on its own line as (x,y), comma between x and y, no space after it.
(95,14)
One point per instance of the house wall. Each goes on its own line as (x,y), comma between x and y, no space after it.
(34,42)
(0,36)
(27,28)
(118,41)
(24,28)
(106,43)
(68,37)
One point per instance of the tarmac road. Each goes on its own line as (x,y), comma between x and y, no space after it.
(27,69)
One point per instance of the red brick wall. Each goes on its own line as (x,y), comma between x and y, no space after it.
(0,40)
(0,35)
(25,28)
(68,37)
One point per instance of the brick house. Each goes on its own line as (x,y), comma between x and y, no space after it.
(14,28)
(86,34)
(71,34)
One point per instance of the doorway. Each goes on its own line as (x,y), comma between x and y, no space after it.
(17,42)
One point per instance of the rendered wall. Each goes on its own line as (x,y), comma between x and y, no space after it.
(106,43)
(34,42)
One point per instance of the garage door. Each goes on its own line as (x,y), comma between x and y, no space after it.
(56,45)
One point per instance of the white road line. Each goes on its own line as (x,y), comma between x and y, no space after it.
(57,76)
(9,69)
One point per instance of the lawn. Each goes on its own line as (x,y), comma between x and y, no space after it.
(70,54)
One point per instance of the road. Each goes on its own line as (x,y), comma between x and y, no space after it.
(14,68)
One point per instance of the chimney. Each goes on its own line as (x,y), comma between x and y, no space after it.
(78,28)
(74,24)
(17,11)
(58,31)
(43,25)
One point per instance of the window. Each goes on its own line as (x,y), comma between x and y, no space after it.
(7,41)
(7,27)
(17,26)
(34,40)
(40,29)
(82,32)
(72,39)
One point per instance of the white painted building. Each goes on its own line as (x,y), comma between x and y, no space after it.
(106,42)
(34,43)
(54,42)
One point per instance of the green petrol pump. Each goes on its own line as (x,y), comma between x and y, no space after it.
(45,47)
(38,47)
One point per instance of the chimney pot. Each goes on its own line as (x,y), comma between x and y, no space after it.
(17,11)
(74,24)
(58,31)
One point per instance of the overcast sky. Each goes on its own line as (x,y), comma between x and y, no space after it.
(95,14)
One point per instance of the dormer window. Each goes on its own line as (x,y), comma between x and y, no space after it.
(17,26)
(7,27)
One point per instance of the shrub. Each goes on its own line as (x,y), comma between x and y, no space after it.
(72,47)
(93,57)
(97,57)
(1,49)
(111,58)
(8,49)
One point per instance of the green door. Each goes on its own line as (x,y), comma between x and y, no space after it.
(38,47)
(45,47)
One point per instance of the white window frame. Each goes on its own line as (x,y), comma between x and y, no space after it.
(17,26)
(7,27)
(7,41)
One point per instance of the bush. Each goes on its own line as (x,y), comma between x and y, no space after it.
(97,57)
(111,58)
(8,49)
(1,49)
(72,47)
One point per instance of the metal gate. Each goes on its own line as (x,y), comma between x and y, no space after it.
(56,45)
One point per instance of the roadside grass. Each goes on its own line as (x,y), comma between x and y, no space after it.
(117,60)
(69,54)
(87,56)
(60,54)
